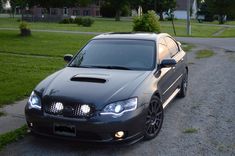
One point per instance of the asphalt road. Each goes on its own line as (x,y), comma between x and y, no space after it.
(225,43)
(209,108)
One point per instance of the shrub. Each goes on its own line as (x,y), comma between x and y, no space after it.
(84,21)
(87,21)
(67,21)
(147,23)
(78,21)
(24,29)
(24,25)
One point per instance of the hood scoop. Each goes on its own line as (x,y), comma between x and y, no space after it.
(87,79)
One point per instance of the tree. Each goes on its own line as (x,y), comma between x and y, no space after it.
(221,8)
(1,6)
(118,5)
(20,3)
(160,6)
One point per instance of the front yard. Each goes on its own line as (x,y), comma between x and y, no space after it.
(107,25)
(26,61)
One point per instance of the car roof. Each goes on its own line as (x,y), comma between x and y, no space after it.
(131,35)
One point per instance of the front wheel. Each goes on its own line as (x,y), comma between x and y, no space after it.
(184,86)
(154,118)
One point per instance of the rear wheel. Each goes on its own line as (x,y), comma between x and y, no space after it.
(154,118)
(184,86)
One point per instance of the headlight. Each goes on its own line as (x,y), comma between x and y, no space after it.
(34,101)
(118,108)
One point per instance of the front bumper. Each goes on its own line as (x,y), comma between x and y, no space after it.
(100,128)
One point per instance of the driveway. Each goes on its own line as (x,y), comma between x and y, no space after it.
(209,108)
(224,43)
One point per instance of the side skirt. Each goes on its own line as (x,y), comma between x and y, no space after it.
(171,97)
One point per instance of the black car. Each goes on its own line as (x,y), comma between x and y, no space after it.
(113,90)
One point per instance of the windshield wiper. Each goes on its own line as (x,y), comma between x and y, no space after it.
(105,67)
(114,67)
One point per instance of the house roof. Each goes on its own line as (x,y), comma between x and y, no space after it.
(182,4)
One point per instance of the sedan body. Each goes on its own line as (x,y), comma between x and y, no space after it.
(114,90)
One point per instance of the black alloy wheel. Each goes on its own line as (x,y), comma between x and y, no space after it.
(154,118)
(184,86)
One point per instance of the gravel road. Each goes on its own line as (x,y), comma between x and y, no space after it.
(209,108)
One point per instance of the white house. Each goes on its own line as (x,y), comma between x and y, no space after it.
(181,9)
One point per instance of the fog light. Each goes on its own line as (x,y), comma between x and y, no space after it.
(85,109)
(119,134)
(59,106)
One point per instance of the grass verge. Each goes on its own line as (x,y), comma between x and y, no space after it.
(187,47)
(205,53)
(190,130)
(12,136)
(2,114)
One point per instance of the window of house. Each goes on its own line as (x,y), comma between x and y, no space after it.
(172,46)
(54,11)
(65,11)
(97,13)
(76,12)
(86,13)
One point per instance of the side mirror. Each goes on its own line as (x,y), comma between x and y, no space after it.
(179,43)
(68,58)
(166,63)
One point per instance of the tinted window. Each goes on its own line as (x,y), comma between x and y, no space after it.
(163,51)
(172,46)
(132,54)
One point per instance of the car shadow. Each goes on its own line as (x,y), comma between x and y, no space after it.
(60,145)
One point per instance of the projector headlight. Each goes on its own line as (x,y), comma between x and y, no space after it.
(34,101)
(118,108)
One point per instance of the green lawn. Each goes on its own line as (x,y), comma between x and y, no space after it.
(104,25)
(50,44)
(20,73)
(229,32)
(12,136)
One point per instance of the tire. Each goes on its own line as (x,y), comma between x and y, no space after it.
(184,86)
(154,119)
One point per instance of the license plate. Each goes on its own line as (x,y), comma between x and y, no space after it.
(65,129)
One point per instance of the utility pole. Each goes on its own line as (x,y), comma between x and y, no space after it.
(188,17)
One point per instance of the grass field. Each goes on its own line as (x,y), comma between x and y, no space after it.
(47,44)
(20,73)
(104,25)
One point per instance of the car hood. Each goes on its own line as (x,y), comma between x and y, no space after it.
(91,86)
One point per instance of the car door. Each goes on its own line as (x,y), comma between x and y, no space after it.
(166,74)
(176,54)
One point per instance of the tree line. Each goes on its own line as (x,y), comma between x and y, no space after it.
(207,7)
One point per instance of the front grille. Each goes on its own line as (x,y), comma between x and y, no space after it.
(68,110)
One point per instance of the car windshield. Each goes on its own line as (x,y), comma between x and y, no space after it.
(117,54)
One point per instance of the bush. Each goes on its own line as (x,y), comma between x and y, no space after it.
(67,21)
(147,23)
(24,25)
(24,29)
(87,21)
(78,21)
